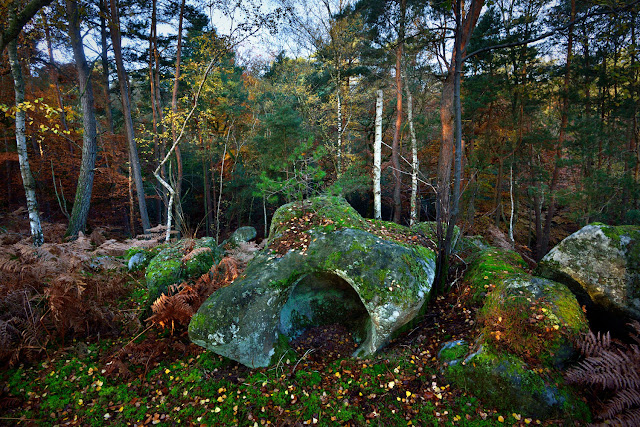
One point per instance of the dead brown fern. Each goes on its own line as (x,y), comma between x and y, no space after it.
(613,369)
(183,300)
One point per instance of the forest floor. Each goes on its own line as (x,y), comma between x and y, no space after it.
(141,375)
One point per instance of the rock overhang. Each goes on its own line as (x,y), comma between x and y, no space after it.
(392,281)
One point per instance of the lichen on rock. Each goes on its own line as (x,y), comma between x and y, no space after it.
(345,273)
(601,265)
(527,329)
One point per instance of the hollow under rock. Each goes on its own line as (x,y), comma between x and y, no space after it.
(322,299)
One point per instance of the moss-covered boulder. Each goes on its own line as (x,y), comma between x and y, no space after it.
(533,318)
(184,260)
(334,213)
(346,275)
(490,267)
(601,265)
(511,385)
(526,329)
(139,258)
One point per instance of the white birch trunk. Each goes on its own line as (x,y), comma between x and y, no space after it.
(414,162)
(21,141)
(512,206)
(339,154)
(377,159)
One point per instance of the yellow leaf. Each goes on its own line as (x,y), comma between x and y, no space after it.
(501,418)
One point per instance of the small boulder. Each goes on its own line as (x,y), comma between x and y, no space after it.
(345,275)
(241,235)
(601,265)
(137,261)
(181,261)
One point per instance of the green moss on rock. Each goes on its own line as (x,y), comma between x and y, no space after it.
(489,268)
(508,383)
(334,208)
(171,265)
(253,304)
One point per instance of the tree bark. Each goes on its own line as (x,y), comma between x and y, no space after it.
(395,147)
(80,210)
(377,159)
(174,111)
(19,20)
(445,210)
(105,66)
(543,243)
(114,23)
(414,161)
(21,140)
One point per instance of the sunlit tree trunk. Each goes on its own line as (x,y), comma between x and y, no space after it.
(126,110)
(21,140)
(395,147)
(377,159)
(446,208)
(542,246)
(80,210)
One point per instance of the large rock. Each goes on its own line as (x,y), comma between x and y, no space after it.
(527,328)
(533,318)
(340,275)
(511,385)
(601,265)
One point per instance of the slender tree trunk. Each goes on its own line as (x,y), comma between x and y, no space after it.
(126,109)
(105,66)
(155,104)
(513,206)
(53,75)
(21,140)
(174,111)
(543,246)
(339,153)
(498,193)
(395,147)
(457,167)
(414,161)
(80,210)
(160,117)
(377,159)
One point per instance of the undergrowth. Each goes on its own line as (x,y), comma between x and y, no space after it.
(613,369)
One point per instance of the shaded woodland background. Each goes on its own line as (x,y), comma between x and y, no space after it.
(549,128)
